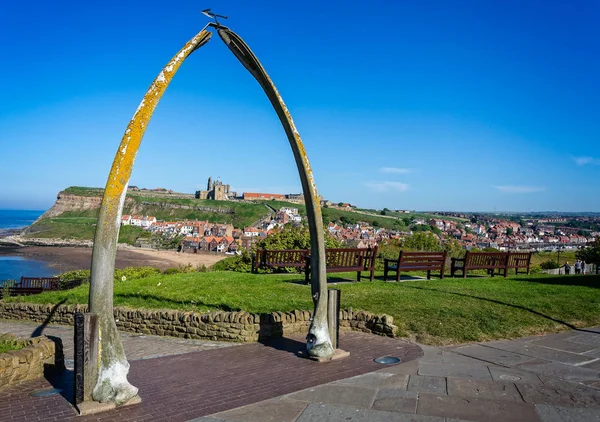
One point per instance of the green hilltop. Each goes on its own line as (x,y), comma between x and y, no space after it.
(74,214)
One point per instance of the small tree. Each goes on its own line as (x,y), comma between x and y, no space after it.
(421,241)
(590,253)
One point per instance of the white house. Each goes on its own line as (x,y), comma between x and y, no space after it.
(187,227)
(251,231)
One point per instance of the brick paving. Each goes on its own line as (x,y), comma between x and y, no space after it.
(191,385)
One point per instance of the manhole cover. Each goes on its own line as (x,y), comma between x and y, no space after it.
(509,377)
(45,392)
(387,360)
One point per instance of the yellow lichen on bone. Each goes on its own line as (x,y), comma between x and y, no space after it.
(123,163)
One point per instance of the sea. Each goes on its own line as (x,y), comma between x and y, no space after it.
(12,265)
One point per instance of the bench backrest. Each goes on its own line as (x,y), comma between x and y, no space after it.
(45,283)
(519,259)
(281,258)
(422,260)
(350,257)
(485,260)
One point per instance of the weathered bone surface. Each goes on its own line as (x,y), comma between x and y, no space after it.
(318,341)
(112,385)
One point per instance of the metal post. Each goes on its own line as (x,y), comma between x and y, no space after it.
(78,339)
(86,356)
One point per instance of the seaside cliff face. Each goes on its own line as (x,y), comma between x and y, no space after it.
(74,214)
(67,202)
(70,203)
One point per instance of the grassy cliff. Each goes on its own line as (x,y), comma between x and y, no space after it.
(75,212)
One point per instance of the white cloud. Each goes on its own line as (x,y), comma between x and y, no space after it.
(520,189)
(387,186)
(395,170)
(582,161)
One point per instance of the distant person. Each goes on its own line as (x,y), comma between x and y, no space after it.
(582,267)
(577,267)
(567,268)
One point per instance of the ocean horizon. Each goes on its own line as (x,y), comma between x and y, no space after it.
(12,265)
(18,219)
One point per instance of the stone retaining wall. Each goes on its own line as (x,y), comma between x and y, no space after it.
(229,326)
(29,363)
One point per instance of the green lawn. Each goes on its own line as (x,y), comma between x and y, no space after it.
(445,311)
(80,225)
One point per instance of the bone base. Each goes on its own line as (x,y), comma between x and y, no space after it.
(337,354)
(90,407)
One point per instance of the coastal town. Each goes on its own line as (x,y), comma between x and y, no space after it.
(470,230)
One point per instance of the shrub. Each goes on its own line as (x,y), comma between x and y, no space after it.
(240,263)
(171,271)
(135,272)
(74,278)
(548,265)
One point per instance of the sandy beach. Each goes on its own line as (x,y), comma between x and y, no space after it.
(74,258)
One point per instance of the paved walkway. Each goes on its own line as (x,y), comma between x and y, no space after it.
(186,386)
(550,378)
(553,378)
(136,346)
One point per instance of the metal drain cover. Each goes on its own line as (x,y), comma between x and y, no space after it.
(45,392)
(387,360)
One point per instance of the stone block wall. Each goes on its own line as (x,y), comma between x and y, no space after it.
(30,362)
(217,326)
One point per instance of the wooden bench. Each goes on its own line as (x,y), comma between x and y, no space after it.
(518,260)
(288,258)
(340,260)
(31,285)
(415,261)
(492,262)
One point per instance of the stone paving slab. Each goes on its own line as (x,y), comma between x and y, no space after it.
(337,394)
(594,365)
(324,412)
(274,410)
(406,368)
(586,339)
(455,370)
(558,394)
(377,380)
(556,355)
(561,370)
(393,400)
(427,384)
(493,355)
(566,414)
(593,353)
(483,389)
(566,345)
(502,374)
(475,409)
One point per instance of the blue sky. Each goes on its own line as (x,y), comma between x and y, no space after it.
(431,105)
